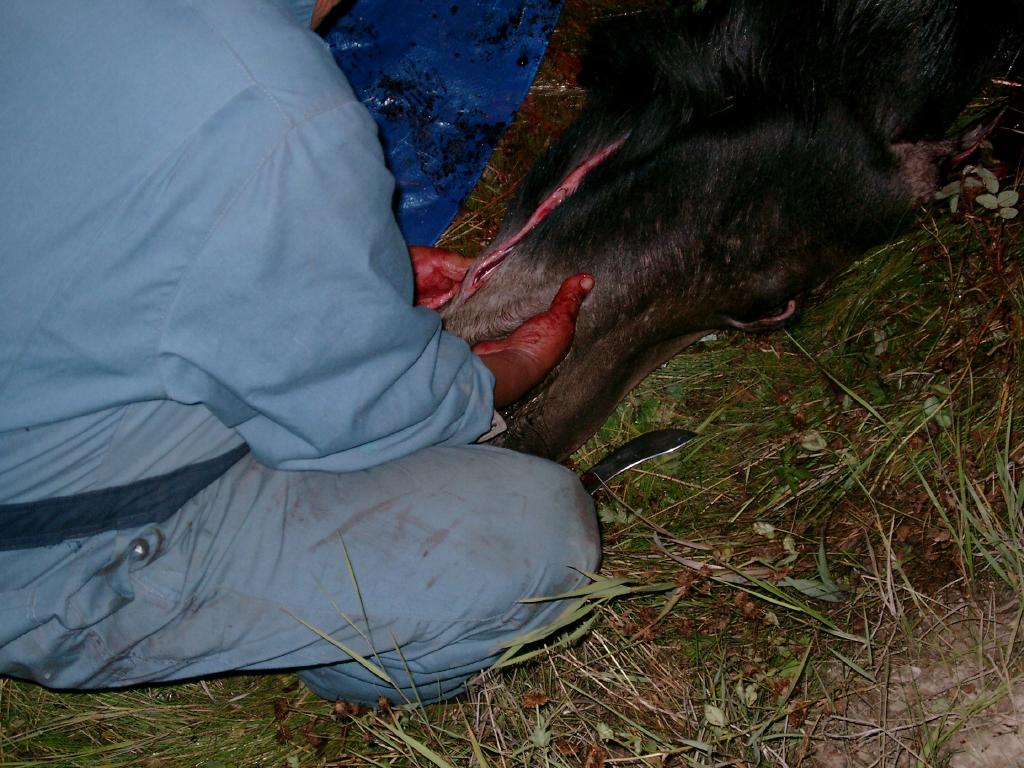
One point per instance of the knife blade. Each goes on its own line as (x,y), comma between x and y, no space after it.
(650,445)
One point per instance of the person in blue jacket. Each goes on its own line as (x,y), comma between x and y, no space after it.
(229,440)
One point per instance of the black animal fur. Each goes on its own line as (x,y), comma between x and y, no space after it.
(768,144)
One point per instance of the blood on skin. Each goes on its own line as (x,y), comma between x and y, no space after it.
(476,279)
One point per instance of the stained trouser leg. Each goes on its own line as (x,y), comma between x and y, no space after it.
(416,565)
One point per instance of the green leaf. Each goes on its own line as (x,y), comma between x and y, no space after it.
(951,189)
(746,693)
(821,560)
(1008,213)
(881,341)
(364,662)
(416,744)
(541,736)
(812,588)
(877,391)
(934,409)
(988,201)
(478,753)
(853,665)
(812,441)
(1008,198)
(989,178)
(715,715)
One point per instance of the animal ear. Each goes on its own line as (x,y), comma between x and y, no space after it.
(923,164)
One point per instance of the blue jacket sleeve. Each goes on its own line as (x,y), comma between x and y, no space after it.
(295,323)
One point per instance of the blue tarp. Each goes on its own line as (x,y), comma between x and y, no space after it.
(443,81)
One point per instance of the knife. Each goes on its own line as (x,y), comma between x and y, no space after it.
(649,445)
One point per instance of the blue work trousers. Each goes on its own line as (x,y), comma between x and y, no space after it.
(417,565)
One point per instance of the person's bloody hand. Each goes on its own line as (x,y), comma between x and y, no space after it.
(524,357)
(439,274)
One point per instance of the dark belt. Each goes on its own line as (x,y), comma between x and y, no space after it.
(50,521)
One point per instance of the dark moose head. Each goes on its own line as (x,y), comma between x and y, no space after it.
(725,164)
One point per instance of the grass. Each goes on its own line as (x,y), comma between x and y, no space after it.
(830,575)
